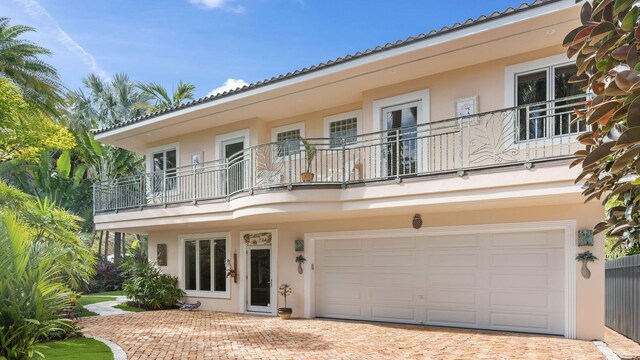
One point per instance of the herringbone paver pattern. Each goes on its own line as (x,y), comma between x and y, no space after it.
(214,335)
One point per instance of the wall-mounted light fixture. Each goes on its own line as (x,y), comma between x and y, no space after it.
(417,221)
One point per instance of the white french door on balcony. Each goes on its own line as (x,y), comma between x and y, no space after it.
(233,151)
(404,144)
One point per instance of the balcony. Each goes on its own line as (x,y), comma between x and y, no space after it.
(518,135)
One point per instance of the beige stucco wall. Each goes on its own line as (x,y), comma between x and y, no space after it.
(589,293)
(484,80)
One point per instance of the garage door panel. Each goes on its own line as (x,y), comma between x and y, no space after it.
(400,243)
(445,317)
(342,244)
(447,242)
(463,260)
(393,260)
(393,313)
(451,279)
(396,295)
(343,261)
(502,281)
(341,277)
(445,297)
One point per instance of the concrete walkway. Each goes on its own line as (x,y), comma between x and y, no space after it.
(107,308)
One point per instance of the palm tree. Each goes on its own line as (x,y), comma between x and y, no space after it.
(160,96)
(20,62)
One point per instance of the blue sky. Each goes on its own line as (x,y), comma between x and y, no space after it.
(208,42)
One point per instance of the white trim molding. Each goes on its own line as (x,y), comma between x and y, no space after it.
(181,276)
(244,134)
(161,148)
(243,283)
(420,95)
(568,226)
(511,71)
(342,116)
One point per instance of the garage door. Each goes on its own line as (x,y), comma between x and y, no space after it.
(500,281)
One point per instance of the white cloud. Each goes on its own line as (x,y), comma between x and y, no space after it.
(219,4)
(40,14)
(230,84)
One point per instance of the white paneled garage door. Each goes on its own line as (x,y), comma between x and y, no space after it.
(503,281)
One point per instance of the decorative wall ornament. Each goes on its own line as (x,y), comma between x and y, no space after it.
(465,107)
(299,245)
(262,238)
(300,260)
(492,139)
(585,258)
(161,259)
(197,159)
(585,238)
(417,221)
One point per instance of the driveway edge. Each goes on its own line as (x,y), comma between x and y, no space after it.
(606,350)
(118,352)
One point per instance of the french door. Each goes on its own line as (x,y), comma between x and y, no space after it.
(402,153)
(259,282)
(232,151)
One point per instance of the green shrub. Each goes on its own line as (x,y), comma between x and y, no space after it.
(148,287)
(32,290)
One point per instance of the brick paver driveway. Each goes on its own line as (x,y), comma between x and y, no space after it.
(214,335)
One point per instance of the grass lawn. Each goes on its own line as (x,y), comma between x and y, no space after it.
(76,349)
(108,293)
(90,299)
(125,307)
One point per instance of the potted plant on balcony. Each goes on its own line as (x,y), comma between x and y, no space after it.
(285,312)
(310,154)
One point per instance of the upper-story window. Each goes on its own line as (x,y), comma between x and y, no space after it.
(288,139)
(163,163)
(546,117)
(342,128)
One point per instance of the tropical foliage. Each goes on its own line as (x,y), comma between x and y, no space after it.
(32,288)
(25,132)
(160,98)
(21,63)
(605,48)
(148,287)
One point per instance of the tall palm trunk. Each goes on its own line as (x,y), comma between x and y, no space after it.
(117,248)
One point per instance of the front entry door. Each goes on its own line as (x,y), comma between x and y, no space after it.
(259,279)
(232,151)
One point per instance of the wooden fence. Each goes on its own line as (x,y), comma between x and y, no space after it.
(622,296)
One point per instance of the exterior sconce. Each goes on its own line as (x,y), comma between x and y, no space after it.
(417,221)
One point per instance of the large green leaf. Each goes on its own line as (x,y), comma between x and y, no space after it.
(599,153)
(63,165)
(629,137)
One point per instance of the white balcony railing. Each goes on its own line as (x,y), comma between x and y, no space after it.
(524,134)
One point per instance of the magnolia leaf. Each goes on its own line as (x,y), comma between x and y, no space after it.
(600,227)
(601,6)
(621,6)
(582,176)
(629,21)
(632,57)
(604,48)
(602,110)
(576,162)
(625,159)
(585,13)
(570,37)
(599,153)
(581,153)
(633,115)
(621,52)
(629,137)
(627,79)
(613,90)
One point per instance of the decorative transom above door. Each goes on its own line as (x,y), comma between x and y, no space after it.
(258,238)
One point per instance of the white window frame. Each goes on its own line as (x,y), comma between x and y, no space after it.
(511,72)
(182,239)
(289,127)
(163,148)
(343,116)
(219,141)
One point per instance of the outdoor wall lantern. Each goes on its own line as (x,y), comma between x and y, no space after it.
(417,221)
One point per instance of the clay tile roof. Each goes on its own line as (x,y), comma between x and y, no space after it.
(339,60)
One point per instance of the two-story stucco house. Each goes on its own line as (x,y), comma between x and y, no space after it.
(432,186)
